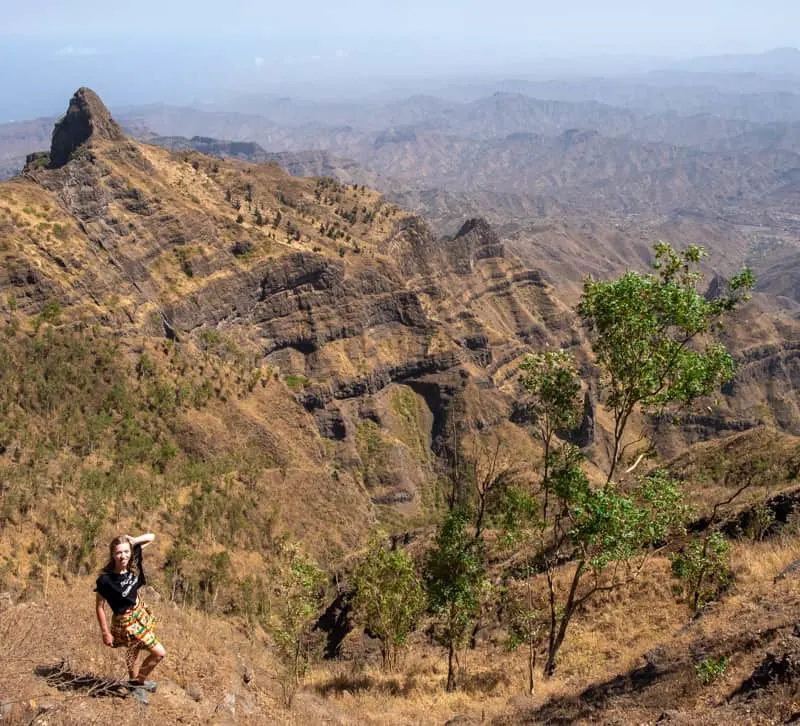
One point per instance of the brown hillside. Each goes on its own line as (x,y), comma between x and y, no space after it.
(235,359)
(302,338)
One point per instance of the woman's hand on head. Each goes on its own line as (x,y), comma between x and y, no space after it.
(142,540)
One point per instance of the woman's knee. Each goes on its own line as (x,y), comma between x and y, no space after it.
(158,651)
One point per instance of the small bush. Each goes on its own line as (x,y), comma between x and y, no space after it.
(703,569)
(709,670)
(296,381)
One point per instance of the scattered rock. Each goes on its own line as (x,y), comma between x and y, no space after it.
(246,703)
(228,704)
(773,669)
(669,715)
(152,595)
(791,570)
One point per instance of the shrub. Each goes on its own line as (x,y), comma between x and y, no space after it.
(703,570)
(388,597)
(709,669)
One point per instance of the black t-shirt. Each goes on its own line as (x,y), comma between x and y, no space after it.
(120,590)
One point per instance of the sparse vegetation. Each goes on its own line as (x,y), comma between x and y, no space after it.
(703,569)
(105,423)
(296,381)
(455,579)
(298,584)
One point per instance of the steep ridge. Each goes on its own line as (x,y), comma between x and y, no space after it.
(349,339)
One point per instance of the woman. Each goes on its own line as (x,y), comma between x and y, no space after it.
(132,625)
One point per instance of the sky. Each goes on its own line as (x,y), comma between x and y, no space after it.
(181,50)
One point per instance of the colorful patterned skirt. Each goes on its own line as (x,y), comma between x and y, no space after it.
(134,628)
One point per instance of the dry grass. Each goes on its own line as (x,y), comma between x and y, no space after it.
(608,638)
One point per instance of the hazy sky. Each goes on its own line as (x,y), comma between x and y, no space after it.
(677,26)
(152,49)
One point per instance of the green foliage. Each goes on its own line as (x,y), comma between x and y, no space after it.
(520,515)
(51,312)
(454,581)
(703,569)
(298,592)
(595,527)
(709,670)
(551,381)
(526,620)
(609,526)
(646,332)
(96,438)
(373,451)
(295,381)
(761,520)
(389,597)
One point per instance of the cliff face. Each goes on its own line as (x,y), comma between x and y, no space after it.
(328,331)
(86,119)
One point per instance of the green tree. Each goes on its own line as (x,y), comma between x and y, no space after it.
(455,580)
(525,620)
(605,534)
(649,334)
(389,597)
(703,569)
(299,588)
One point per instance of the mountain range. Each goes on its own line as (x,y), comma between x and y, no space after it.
(242,356)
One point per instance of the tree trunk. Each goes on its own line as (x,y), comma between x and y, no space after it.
(531,666)
(556,639)
(451,676)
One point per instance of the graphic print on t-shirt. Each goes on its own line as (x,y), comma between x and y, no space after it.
(127,583)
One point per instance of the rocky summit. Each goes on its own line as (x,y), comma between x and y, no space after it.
(87,119)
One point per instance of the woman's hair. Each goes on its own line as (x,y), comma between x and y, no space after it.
(122,539)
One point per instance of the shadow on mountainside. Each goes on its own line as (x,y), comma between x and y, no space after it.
(570,709)
(61,676)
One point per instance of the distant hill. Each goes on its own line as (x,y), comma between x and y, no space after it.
(779,61)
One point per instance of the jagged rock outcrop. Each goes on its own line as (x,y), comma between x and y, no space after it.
(476,240)
(86,118)
(716,288)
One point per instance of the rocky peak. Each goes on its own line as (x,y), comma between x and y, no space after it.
(86,118)
(717,287)
(476,240)
(480,229)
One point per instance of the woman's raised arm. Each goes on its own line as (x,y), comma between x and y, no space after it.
(143,539)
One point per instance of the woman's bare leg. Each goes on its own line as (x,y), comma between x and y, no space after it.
(154,657)
(131,654)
